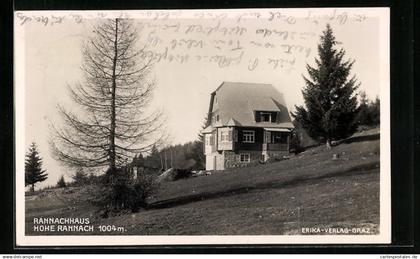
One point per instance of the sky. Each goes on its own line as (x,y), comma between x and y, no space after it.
(198,50)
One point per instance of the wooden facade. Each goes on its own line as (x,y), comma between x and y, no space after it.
(233,139)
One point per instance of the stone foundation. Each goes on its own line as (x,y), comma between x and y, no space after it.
(233,160)
(230,159)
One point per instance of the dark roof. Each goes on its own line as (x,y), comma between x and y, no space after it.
(236,103)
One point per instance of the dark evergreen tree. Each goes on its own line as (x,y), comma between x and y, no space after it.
(61,182)
(198,153)
(369,111)
(33,168)
(80,177)
(154,159)
(376,111)
(329,94)
(138,160)
(92,178)
(198,147)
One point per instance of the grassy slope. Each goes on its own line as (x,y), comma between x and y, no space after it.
(308,190)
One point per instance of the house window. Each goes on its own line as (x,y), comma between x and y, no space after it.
(214,118)
(225,135)
(245,158)
(208,136)
(248,136)
(265,117)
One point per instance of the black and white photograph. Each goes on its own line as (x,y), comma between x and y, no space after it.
(217,126)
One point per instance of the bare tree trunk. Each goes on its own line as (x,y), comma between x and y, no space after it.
(33,187)
(113,90)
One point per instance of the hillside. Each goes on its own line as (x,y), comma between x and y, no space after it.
(309,190)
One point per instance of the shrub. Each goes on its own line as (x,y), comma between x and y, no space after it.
(120,192)
(276,159)
(92,178)
(295,144)
(181,173)
(144,187)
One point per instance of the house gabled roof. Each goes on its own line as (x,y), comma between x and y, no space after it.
(237,103)
(232,122)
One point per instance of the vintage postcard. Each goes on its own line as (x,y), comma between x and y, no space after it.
(228,126)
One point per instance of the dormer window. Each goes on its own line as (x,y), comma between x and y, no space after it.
(214,118)
(266,116)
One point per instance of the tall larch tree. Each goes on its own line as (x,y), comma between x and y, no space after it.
(114,121)
(329,94)
(33,168)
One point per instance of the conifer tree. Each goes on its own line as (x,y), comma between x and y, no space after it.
(33,168)
(329,94)
(80,177)
(61,182)
(139,160)
(198,146)
(154,159)
(114,121)
(369,111)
